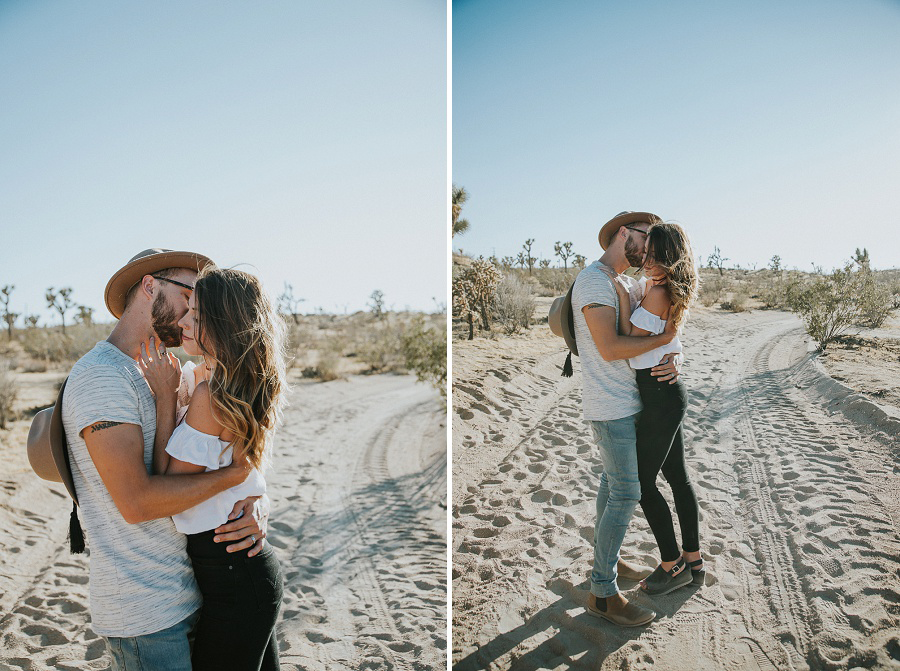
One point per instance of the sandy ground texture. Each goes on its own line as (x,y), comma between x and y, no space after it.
(358,490)
(798,479)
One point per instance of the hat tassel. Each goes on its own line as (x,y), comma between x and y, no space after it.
(567,367)
(76,534)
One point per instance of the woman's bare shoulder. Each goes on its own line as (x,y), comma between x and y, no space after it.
(657,301)
(200,412)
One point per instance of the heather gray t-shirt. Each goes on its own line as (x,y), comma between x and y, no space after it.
(141,580)
(609,387)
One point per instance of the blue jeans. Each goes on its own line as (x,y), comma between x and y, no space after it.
(617,497)
(166,650)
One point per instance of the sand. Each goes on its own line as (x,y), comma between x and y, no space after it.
(358,492)
(799,487)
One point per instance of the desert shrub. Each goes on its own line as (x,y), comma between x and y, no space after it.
(44,344)
(328,364)
(52,346)
(711,289)
(555,281)
(473,293)
(829,305)
(513,304)
(875,302)
(382,347)
(8,393)
(738,300)
(425,352)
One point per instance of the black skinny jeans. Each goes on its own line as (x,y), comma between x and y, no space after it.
(241,598)
(660,446)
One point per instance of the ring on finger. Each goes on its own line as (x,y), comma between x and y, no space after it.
(253,538)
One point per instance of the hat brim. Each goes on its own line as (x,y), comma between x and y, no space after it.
(47,451)
(610,227)
(561,320)
(130,274)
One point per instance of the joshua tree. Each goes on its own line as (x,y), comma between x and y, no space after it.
(8,317)
(31,321)
(716,260)
(60,302)
(861,257)
(544,263)
(507,262)
(459,198)
(563,250)
(775,264)
(521,260)
(288,304)
(377,303)
(85,315)
(527,249)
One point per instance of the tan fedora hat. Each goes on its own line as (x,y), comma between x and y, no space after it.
(47,449)
(561,320)
(624,219)
(143,263)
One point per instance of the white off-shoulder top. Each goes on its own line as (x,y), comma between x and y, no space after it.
(195,447)
(644,319)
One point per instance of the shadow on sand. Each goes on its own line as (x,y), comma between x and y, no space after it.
(580,641)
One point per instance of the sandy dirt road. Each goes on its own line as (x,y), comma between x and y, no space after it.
(358,489)
(799,515)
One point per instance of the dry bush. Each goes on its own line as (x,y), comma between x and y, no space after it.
(328,364)
(382,347)
(50,345)
(8,393)
(513,304)
(711,289)
(829,305)
(554,281)
(875,301)
(738,300)
(425,351)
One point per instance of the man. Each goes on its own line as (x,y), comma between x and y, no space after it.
(143,596)
(611,403)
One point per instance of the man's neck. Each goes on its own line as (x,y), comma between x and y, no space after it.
(614,260)
(128,337)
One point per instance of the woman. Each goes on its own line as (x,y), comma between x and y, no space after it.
(235,404)
(672,287)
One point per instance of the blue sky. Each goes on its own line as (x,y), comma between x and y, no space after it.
(305,139)
(764,128)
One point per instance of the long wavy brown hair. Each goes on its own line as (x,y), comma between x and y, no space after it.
(242,339)
(669,248)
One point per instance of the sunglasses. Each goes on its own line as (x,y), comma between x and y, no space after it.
(637,230)
(178,284)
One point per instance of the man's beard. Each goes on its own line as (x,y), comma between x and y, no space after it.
(633,253)
(165,322)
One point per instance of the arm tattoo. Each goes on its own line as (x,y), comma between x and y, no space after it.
(596,305)
(104,425)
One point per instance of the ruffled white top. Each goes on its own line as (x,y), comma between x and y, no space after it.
(644,319)
(195,447)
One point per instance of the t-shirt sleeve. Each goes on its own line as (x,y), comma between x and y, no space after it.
(593,287)
(102,394)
